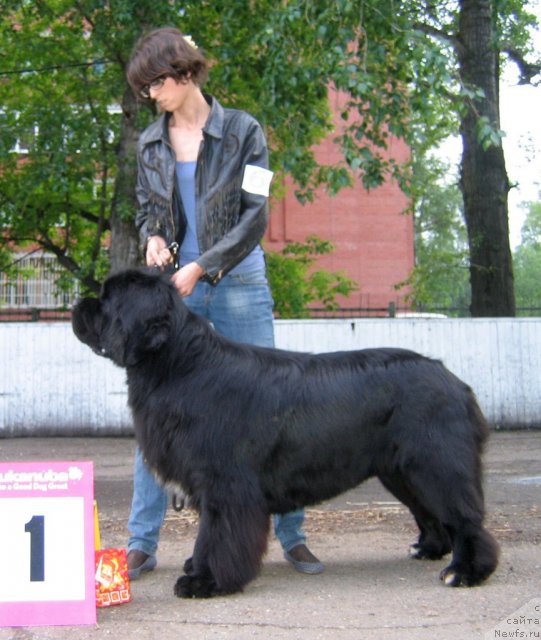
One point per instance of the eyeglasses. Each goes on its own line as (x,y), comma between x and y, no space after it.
(157,83)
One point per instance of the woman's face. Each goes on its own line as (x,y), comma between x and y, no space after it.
(170,93)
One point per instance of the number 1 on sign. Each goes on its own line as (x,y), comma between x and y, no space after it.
(36,528)
(46,542)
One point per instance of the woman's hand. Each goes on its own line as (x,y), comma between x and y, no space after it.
(186,278)
(157,255)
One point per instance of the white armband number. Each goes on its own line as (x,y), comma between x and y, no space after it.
(257,180)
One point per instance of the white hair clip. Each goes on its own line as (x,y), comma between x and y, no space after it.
(190,41)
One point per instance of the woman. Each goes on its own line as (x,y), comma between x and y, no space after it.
(203,185)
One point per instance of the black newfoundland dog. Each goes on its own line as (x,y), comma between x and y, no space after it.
(248,431)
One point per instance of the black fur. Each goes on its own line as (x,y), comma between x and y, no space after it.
(249,431)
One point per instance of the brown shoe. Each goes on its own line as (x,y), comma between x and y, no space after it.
(304,560)
(139,562)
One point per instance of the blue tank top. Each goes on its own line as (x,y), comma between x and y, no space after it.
(189,249)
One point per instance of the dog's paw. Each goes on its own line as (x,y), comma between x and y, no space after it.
(415,551)
(195,587)
(452,576)
(419,552)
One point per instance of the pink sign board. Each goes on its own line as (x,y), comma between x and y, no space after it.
(47,542)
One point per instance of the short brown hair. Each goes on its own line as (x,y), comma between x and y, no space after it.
(165,52)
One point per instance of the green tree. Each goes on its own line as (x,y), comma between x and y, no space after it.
(295,283)
(427,69)
(62,87)
(527,260)
(440,278)
(62,68)
(483,177)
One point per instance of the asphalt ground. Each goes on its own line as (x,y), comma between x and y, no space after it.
(370,588)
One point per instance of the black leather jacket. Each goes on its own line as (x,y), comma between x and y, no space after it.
(230,220)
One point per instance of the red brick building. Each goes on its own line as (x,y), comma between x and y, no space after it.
(373,237)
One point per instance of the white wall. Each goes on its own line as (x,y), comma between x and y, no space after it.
(50,383)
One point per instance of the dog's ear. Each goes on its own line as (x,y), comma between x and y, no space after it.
(157,332)
(150,337)
(86,322)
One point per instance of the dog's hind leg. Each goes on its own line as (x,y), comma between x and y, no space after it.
(475,555)
(232,539)
(434,541)
(451,512)
(459,505)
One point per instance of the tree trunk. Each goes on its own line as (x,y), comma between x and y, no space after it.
(124,251)
(484,180)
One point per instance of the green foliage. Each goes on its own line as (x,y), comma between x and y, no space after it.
(295,285)
(527,263)
(440,278)
(52,95)
(62,68)
(488,136)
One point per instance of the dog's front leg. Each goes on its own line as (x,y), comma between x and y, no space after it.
(231,541)
(198,581)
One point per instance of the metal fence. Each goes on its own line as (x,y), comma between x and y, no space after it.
(35,314)
(33,295)
(34,288)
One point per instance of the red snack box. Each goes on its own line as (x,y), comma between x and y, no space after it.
(112,581)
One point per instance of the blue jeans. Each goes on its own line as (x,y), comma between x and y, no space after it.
(239,307)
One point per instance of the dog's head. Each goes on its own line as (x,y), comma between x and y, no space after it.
(131,319)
